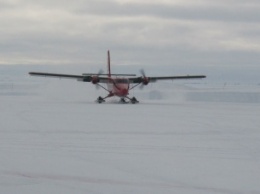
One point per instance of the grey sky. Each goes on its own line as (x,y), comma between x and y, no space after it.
(163,32)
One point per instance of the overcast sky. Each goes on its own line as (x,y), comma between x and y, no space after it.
(148,32)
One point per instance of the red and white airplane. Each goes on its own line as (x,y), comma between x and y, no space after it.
(117,84)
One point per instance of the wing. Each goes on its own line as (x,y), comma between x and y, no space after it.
(177,77)
(84,78)
(56,75)
(154,79)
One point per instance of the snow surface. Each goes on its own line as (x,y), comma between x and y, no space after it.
(181,138)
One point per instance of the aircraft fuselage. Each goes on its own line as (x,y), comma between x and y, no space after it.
(118,86)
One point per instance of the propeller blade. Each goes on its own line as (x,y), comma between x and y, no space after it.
(100,72)
(142,72)
(141,86)
(145,80)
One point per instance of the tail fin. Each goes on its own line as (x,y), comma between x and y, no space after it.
(108,64)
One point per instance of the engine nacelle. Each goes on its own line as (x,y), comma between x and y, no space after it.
(145,80)
(95,79)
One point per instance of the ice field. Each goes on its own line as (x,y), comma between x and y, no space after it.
(182,137)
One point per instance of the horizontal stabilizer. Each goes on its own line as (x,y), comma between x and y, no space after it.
(115,74)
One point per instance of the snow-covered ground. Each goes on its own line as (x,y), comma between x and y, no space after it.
(181,138)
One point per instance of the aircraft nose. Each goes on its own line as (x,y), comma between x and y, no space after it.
(124,91)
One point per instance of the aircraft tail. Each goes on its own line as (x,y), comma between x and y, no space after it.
(108,64)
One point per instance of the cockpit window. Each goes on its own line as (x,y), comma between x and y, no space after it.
(121,81)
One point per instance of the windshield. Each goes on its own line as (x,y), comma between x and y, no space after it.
(121,81)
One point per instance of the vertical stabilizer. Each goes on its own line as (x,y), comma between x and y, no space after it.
(108,64)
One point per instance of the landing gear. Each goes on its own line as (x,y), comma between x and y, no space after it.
(134,100)
(100,100)
(122,100)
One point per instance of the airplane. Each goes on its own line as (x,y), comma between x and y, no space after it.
(117,84)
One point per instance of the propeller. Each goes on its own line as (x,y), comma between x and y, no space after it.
(100,72)
(95,78)
(142,72)
(145,80)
